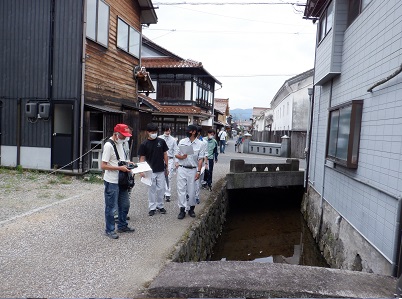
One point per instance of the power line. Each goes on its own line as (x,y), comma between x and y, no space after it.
(231,3)
(239,18)
(228,32)
(253,76)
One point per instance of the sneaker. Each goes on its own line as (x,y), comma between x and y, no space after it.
(197,200)
(191,213)
(182,214)
(126,230)
(116,219)
(112,235)
(151,213)
(162,210)
(210,188)
(167,198)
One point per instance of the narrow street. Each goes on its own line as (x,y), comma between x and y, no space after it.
(54,245)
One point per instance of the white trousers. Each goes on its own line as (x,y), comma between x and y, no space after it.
(186,186)
(156,191)
(172,170)
(198,185)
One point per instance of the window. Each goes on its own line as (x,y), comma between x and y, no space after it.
(128,39)
(170,91)
(98,21)
(344,133)
(326,22)
(355,8)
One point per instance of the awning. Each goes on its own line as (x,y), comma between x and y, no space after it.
(104,109)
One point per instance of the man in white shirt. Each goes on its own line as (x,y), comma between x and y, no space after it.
(115,197)
(189,170)
(172,145)
(222,140)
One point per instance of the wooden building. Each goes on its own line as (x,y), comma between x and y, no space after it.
(184,90)
(68,76)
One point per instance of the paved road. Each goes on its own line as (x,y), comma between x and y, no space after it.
(60,250)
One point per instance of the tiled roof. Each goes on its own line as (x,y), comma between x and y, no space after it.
(171,109)
(151,102)
(169,62)
(221,105)
(181,109)
(258,110)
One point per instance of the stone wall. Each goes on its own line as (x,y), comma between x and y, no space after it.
(342,246)
(198,242)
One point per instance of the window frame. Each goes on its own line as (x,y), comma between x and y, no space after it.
(323,28)
(97,20)
(130,29)
(354,134)
(362,4)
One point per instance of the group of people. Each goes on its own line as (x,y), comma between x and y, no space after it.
(192,158)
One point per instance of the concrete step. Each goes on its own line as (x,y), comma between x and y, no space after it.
(266,280)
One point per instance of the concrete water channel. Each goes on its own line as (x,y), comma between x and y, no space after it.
(265,225)
(252,259)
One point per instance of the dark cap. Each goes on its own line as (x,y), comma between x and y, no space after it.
(151,127)
(191,128)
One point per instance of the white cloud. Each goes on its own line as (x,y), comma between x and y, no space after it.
(239,40)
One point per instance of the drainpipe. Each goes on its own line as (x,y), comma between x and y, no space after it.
(309,129)
(323,170)
(18,131)
(82,98)
(51,49)
(397,271)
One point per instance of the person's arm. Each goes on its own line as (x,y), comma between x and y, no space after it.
(106,166)
(166,159)
(142,159)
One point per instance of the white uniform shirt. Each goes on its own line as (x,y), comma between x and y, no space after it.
(108,156)
(198,148)
(171,143)
(222,135)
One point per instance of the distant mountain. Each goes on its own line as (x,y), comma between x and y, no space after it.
(241,114)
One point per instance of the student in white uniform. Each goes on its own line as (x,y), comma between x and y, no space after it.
(172,145)
(201,180)
(189,170)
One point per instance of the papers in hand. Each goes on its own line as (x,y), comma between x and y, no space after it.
(142,167)
(147,180)
(186,149)
(146,169)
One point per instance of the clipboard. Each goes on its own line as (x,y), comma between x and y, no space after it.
(186,149)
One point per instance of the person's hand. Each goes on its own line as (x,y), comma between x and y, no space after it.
(176,165)
(142,174)
(184,156)
(123,168)
(167,171)
(197,176)
(206,166)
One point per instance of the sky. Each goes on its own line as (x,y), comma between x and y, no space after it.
(251,49)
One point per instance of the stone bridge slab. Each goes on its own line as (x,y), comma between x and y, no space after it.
(247,180)
(266,280)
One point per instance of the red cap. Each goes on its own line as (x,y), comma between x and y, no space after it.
(123,130)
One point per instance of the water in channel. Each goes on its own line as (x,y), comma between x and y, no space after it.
(265,225)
